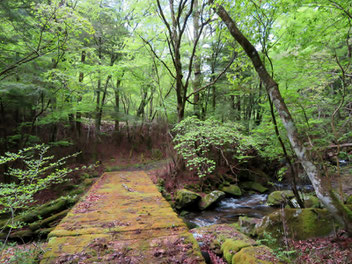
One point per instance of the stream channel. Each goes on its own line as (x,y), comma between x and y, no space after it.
(229,209)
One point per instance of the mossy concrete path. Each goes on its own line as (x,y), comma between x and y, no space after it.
(122,219)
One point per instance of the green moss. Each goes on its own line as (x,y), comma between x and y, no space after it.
(349,200)
(186,198)
(311,201)
(255,186)
(254,255)
(230,247)
(211,198)
(232,190)
(276,198)
(300,223)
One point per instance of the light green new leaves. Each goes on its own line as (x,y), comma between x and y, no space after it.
(37,173)
(198,142)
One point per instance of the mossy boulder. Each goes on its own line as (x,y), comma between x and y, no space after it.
(277,198)
(210,199)
(214,236)
(232,189)
(300,224)
(247,224)
(255,186)
(186,199)
(255,255)
(231,246)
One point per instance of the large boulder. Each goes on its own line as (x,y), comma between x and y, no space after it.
(255,255)
(186,199)
(232,189)
(299,224)
(231,246)
(254,186)
(211,199)
(277,198)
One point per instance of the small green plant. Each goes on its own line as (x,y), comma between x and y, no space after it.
(21,254)
(37,172)
(201,143)
(280,252)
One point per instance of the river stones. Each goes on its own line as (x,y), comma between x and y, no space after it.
(210,199)
(227,240)
(186,199)
(310,201)
(255,186)
(232,189)
(277,198)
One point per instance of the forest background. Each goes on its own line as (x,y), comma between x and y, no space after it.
(79,75)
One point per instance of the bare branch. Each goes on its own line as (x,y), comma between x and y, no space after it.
(159,59)
(216,79)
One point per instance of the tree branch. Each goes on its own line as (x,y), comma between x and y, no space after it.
(216,79)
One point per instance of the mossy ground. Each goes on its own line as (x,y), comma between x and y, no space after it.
(122,217)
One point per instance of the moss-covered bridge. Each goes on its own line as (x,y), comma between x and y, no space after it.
(122,219)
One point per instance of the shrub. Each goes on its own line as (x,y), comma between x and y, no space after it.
(201,142)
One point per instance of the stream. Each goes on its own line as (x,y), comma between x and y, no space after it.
(229,209)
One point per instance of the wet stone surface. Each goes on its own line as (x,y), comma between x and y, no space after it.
(229,210)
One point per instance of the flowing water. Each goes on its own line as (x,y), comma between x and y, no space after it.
(229,210)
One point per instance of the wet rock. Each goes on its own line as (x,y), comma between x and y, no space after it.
(310,201)
(258,254)
(232,190)
(247,224)
(210,199)
(255,186)
(186,199)
(277,198)
(300,224)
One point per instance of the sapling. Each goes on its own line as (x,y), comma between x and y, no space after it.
(38,172)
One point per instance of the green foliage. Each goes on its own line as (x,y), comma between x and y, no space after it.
(279,251)
(200,142)
(21,254)
(37,172)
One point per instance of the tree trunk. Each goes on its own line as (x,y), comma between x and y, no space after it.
(117,104)
(197,63)
(80,80)
(321,187)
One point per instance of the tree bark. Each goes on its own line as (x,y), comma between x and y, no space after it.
(80,80)
(117,104)
(322,190)
(197,63)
